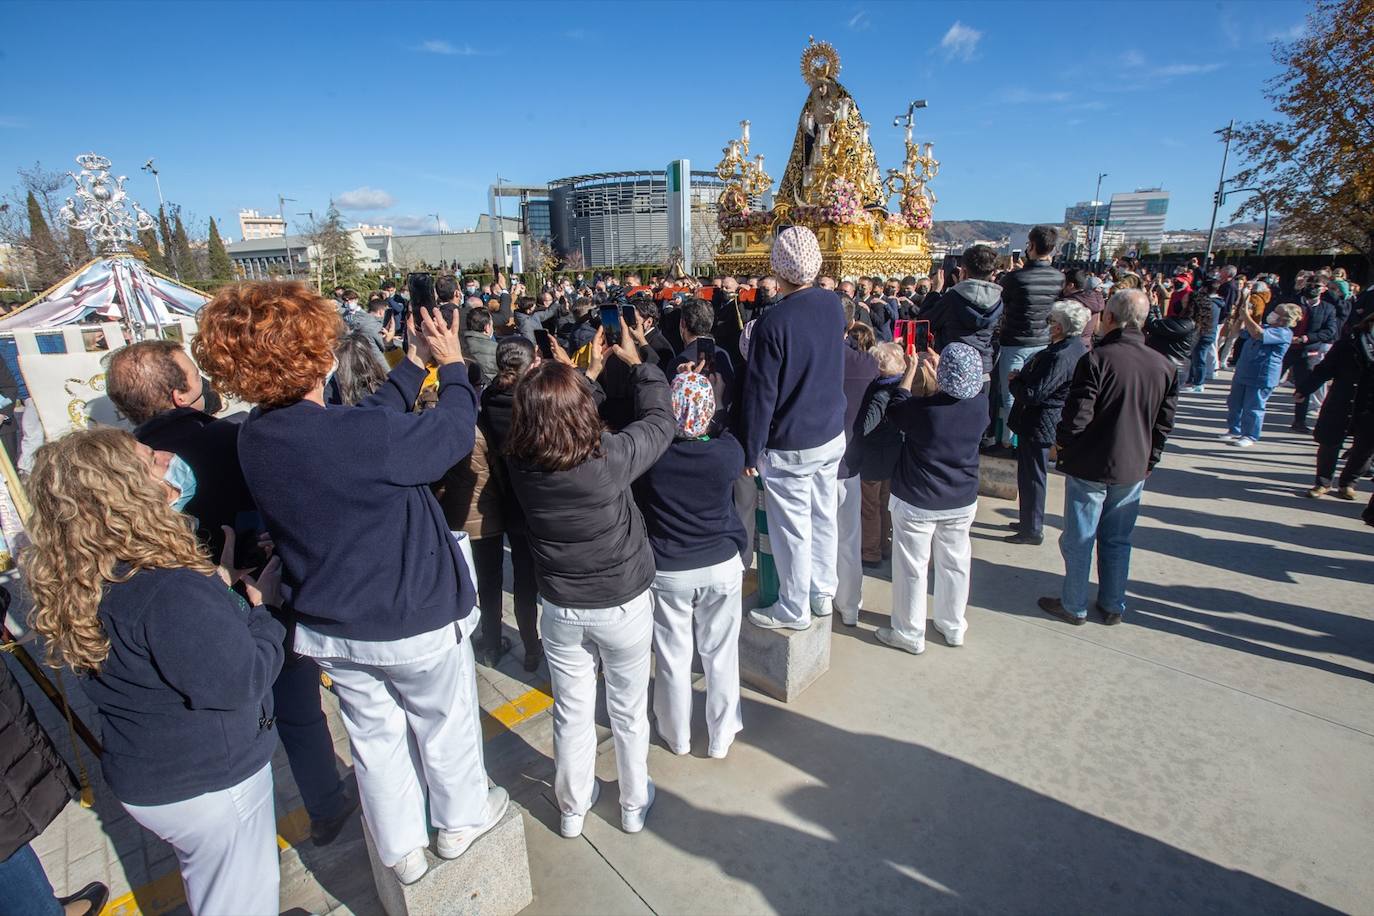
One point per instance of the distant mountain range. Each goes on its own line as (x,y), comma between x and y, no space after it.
(955,232)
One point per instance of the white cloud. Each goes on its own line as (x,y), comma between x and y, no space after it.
(960,41)
(1292,33)
(1169,71)
(364,198)
(439,46)
(414,225)
(859,22)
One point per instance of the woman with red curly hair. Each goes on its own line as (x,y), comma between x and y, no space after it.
(374,577)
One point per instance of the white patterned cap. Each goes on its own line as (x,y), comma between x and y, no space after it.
(796,255)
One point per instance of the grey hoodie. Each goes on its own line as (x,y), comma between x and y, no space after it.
(968,312)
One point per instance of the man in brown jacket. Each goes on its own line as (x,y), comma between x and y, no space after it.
(1119,412)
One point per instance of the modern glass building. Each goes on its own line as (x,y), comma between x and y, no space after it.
(615,218)
(1140,216)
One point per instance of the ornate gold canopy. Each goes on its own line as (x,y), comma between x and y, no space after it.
(832,184)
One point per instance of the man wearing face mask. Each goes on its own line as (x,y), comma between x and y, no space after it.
(155,384)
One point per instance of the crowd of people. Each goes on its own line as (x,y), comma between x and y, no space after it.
(613,439)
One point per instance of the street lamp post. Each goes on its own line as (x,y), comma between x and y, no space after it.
(162,212)
(1264,199)
(499,239)
(439,227)
(286,234)
(310,215)
(1220,193)
(1096,256)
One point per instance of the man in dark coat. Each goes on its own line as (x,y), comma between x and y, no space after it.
(968,312)
(1118,415)
(1028,293)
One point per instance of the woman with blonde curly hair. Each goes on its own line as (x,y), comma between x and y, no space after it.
(377,580)
(123,593)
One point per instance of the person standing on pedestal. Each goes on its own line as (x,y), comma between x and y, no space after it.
(377,578)
(793,425)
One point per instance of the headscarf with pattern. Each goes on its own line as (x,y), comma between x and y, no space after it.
(796,255)
(960,373)
(694,404)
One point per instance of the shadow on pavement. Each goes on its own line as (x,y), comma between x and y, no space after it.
(942,836)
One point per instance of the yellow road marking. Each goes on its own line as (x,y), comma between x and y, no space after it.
(161,895)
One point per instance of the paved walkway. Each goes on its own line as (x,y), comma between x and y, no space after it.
(1213,754)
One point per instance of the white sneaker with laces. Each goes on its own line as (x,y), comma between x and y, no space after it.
(1228,437)
(632,819)
(412,868)
(1243,442)
(765,618)
(850,618)
(453,843)
(570,825)
(889,638)
(952,640)
(822,605)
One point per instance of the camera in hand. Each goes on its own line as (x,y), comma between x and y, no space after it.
(420,286)
(544,343)
(610,324)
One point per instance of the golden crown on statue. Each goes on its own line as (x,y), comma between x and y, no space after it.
(832,184)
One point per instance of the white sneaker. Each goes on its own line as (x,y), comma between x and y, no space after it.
(1243,442)
(453,843)
(718,753)
(952,640)
(412,868)
(1228,437)
(764,618)
(850,618)
(822,605)
(889,638)
(571,824)
(632,819)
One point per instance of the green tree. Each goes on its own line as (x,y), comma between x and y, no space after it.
(152,253)
(184,257)
(77,246)
(335,261)
(221,268)
(45,250)
(168,242)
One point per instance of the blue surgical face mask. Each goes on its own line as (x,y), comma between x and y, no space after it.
(180,476)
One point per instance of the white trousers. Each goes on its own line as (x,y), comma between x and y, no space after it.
(226,846)
(574,638)
(713,611)
(915,541)
(799,493)
(408,723)
(849,571)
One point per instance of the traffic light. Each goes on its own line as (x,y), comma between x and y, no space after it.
(1218,198)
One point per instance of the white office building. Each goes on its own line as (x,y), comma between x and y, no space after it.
(1139,216)
(255,225)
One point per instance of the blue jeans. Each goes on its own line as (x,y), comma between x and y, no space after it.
(1104,513)
(24,887)
(305,736)
(1010,359)
(1245,409)
(1203,364)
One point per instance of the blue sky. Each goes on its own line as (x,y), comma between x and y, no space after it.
(407,109)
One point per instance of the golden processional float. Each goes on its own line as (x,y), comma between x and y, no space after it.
(832,185)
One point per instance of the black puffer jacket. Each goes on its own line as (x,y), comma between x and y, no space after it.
(590,546)
(1028,295)
(1173,337)
(1349,404)
(1040,389)
(35,783)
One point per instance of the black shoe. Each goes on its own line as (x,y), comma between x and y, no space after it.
(1300,428)
(94,893)
(1014,526)
(534,657)
(491,655)
(324,832)
(1055,608)
(1021,537)
(1110,618)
